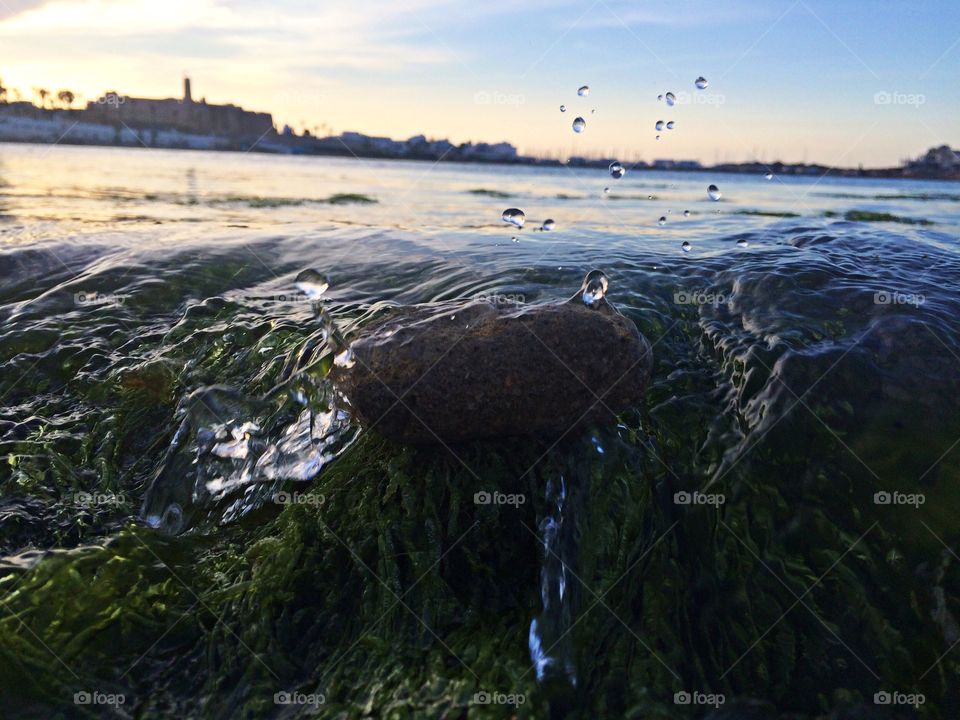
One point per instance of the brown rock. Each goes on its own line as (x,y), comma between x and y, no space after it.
(484,369)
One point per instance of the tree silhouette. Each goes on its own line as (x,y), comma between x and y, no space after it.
(66,97)
(3,92)
(43,94)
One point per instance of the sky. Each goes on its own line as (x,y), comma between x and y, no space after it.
(842,82)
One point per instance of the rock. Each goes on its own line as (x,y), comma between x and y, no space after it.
(494,369)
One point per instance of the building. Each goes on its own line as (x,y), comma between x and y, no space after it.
(183,115)
(941,158)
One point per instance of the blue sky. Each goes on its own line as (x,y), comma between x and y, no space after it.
(846,81)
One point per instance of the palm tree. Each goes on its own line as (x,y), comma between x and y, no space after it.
(66,97)
(44,94)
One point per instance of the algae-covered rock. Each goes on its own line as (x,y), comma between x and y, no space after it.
(495,369)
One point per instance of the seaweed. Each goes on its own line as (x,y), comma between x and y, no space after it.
(489,193)
(870,216)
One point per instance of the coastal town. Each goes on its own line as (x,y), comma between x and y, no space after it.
(116,119)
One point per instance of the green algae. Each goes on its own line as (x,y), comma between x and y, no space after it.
(489,193)
(389,592)
(767,213)
(386,590)
(350,198)
(870,216)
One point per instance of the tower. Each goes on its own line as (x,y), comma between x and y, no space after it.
(186,90)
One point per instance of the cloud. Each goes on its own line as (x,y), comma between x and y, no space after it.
(365,34)
(10,8)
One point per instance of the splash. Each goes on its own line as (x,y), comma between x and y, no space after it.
(233,454)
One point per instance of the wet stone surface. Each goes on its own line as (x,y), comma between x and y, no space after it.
(485,369)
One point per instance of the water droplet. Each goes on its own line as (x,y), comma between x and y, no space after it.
(686,247)
(714,192)
(662,221)
(548,225)
(659,98)
(514,216)
(563,108)
(742,242)
(311,283)
(649,197)
(617,170)
(670,125)
(583,90)
(659,125)
(686,213)
(606,191)
(592,110)
(769,176)
(594,288)
(657,137)
(701,83)
(515,239)
(671,99)
(579,124)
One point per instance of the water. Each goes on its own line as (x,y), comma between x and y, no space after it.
(583,90)
(658,125)
(513,216)
(165,350)
(671,99)
(714,193)
(312,283)
(701,83)
(594,288)
(579,124)
(616,170)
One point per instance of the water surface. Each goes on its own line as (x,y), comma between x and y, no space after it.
(806,370)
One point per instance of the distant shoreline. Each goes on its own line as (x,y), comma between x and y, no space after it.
(216,144)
